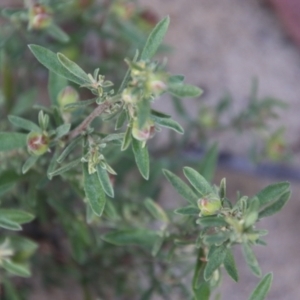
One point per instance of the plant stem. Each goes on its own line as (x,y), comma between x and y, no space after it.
(87,121)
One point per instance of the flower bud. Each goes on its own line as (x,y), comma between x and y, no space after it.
(40,17)
(37,143)
(209,205)
(67,96)
(144,134)
(128,96)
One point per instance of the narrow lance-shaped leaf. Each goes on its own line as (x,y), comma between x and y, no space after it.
(197,181)
(211,221)
(276,206)
(65,167)
(12,140)
(143,113)
(214,261)
(262,289)
(141,157)
(57,33)
(14,268)
(272,192)
(208,163)
(140,237)
(51,62)
(8,224)
(29,163)
(93,191)
(181,90)
(23,123)
(17,216)
(69,149)
(62,130)
(169,123)
(230,266)
(105,181)
(187,210)
(73,67)
(156,210)
(121,119)
(53,162)
(181,187)
(155,38)
(251,259)
(127,139)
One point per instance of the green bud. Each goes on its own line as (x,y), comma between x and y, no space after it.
(37,143)
(67,96)
(129,97)
(209,205)
(144,134)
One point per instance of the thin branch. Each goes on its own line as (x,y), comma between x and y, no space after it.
(87,121)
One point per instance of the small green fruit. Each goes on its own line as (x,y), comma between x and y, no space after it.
(144,134)
(209,205)
(37,143)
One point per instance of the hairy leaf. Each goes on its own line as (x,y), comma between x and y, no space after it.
(181,187)
(141,157)
(262,289)
(155,38)
(12,140)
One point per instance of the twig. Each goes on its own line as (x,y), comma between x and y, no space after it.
(87,121)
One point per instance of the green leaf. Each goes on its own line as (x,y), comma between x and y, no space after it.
(169,123)
(16,269)
(127,139)
(157,245)
(181,187)
(209,163)
(139,237)
(65,167)
(8,224)
(143,112)
(93,191)
(155,38)
(69,149)
(73,68)
(57,33)
(251,259)
(23,123)
(12,140)
(197,181)
(53,163)
(56,84)
(187,210)
(230,266)
(272,192)
(80,104)
(181,90)
(62,130)
(16,216)
(262,289)
(141,157)
(156,210)
(105,181)
(216,239)
(176,79)
(215,259)
(29,163)
(211,222)
(202,292)
(222,191)
(121,119)
(276,206)
(51,62)
(113,137)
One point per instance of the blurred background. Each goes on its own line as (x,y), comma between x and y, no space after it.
(222,46)
(237,50)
